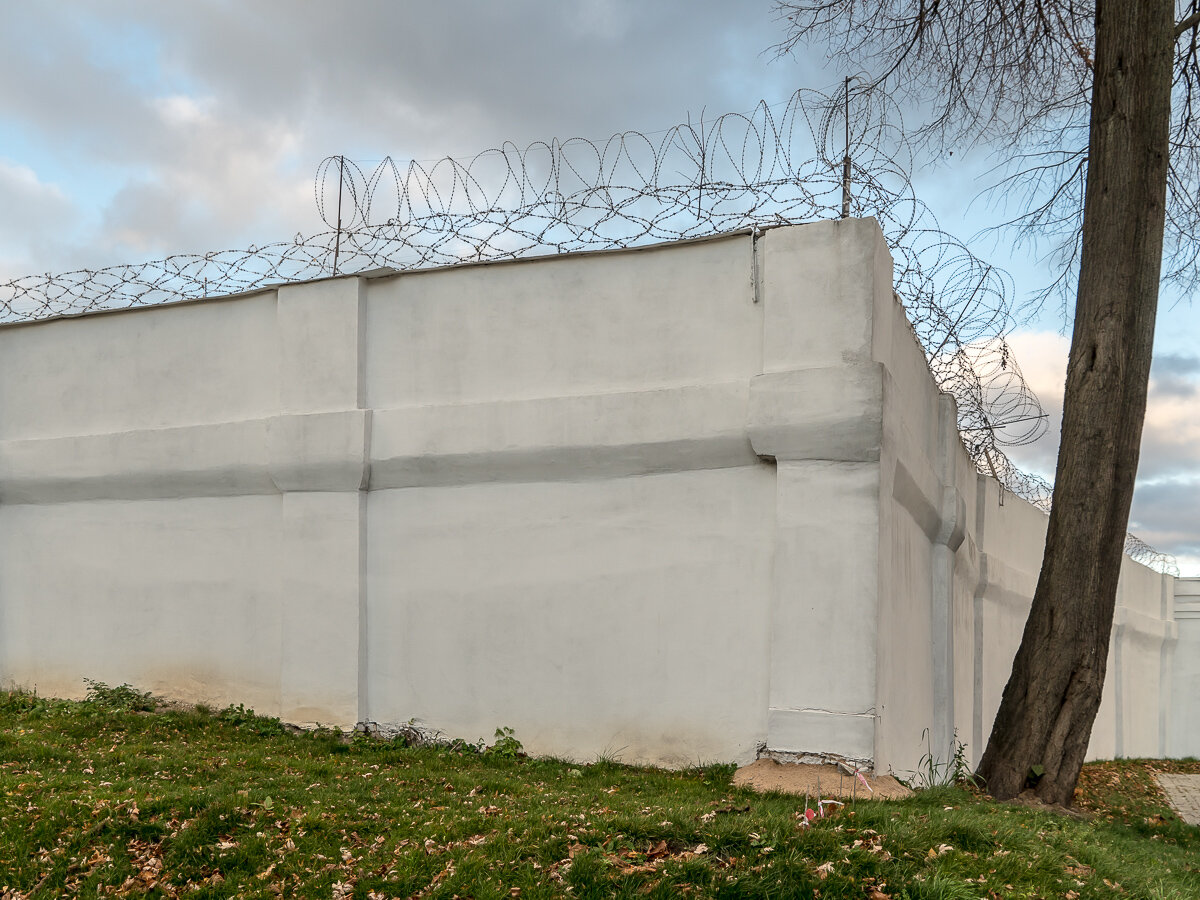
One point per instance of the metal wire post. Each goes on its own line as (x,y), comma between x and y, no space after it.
(846,158)
(337,244)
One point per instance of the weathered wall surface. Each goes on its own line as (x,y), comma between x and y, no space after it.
(959,561)
(569,532)
(673,504)
(1184,725)
(1136,704)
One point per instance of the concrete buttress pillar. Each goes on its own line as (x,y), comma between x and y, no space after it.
(817,411)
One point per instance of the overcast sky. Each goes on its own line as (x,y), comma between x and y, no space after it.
(133,129)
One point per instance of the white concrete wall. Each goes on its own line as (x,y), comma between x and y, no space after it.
(815,410)
(959,561)
(518,495)
(674,505)
(1135,707)
(1184,703)
(179,595)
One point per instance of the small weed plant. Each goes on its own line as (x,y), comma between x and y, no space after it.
(933,771)
(506,744)
(241,717)
(122,698)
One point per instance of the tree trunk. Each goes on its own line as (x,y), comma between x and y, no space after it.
(1050,702)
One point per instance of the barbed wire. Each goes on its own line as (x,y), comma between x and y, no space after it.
(1040,492)
(1140,551)
(767,167)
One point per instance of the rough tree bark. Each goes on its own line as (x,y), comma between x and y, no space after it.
(1050,703)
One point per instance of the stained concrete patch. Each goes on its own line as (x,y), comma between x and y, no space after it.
(824,781)
(1183,793)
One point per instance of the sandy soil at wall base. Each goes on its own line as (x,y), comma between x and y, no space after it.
(825,781)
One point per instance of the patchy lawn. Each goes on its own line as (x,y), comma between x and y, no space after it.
(101,798)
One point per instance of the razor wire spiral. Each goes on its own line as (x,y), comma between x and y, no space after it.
(772,166)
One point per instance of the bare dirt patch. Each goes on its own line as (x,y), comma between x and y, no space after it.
(823,780)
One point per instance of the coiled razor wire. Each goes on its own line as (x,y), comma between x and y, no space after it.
(772,166)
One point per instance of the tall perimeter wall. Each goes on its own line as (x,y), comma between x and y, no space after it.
(673,504)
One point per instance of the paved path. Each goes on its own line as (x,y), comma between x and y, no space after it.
(1183,792)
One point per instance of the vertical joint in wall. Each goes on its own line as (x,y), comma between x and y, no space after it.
(754,279)
(977,632)
(1118,639)
(947,540)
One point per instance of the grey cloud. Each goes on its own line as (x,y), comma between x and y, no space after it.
(41,205)
(1169,447)
(1166,504)
(1167,516)
(1177,375)
(1175,364)
(366,79)
(36,215)
(456,77)
(1171,443)
(1176,386)
(53,86)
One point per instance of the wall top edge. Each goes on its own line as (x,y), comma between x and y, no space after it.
(373,274)
(387,272)
(115,310)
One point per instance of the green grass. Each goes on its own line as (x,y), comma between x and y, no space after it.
(102,798)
